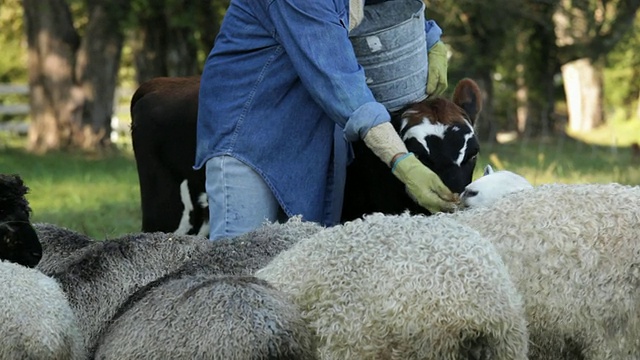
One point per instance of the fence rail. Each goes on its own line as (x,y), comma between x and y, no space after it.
(14,89)
(119,127)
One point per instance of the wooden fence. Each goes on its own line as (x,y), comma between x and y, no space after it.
(119,121)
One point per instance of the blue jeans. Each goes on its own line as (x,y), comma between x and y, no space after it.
(239,199)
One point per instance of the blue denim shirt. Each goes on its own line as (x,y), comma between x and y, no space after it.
(282,92)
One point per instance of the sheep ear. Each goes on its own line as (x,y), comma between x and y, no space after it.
(487,170)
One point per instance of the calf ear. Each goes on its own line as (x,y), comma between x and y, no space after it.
(487,170)
(467,96)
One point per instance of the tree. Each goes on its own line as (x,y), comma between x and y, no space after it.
(172,37)
(72,79)
(477,40)
(586,31)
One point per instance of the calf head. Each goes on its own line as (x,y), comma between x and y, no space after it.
(440,133)
(19,242)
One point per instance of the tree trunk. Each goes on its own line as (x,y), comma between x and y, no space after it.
(182,53)
(150,45)
(55,100)
(97,71)
(582,86)
(164,47)
(486,129)
(538,53)
(72,83)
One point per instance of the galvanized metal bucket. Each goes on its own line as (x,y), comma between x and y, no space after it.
(390,44)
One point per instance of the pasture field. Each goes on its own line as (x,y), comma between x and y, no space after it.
(99,196)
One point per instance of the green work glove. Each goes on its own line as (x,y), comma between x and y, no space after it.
(437,81)
(424,185)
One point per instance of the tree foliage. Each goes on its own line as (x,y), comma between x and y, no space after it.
(515,49)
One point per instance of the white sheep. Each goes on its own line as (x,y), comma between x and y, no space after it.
(492,186)
(574,255)
(403,287)
(208,317)
(36,321)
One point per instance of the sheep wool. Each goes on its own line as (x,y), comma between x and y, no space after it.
(244,254)
(36,320)
(58,244)
(100,278)
(403,287)
(209,317)
(574,255)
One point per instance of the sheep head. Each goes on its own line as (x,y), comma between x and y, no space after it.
(492,186)
(19,242)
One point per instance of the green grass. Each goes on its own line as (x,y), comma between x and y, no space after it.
(100,196)
(562,160)
(96,196)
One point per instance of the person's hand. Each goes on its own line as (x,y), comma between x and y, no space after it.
(424,185)
(437,82)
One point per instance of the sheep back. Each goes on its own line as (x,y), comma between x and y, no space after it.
(100,278)
(244,254)
(58,244)
(403,287)
(574,255)
(36,320)
(209,317)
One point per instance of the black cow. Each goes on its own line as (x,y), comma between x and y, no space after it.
(163,132)
(164,114)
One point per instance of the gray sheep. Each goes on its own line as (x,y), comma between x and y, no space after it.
(403,287)
(36,320)
(101,278)
(208,317)
(58,244)
(573,252)
(244,254)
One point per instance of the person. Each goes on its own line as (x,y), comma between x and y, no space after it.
(281,96)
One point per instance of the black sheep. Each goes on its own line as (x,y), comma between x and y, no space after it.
(19,242)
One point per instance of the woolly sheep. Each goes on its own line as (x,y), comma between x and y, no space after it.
(403,287)
(208,317)
(239,255)
(58,244)
(36,321)
(244,254)
(492,186)
(104,275)
(100,278)
(574,255)
(18,241)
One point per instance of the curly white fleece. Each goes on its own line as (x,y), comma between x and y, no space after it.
(573,252)
(356,13)
(402,287)
(36,320)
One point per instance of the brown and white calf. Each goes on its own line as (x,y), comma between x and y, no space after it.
(440,132)
(164,115)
